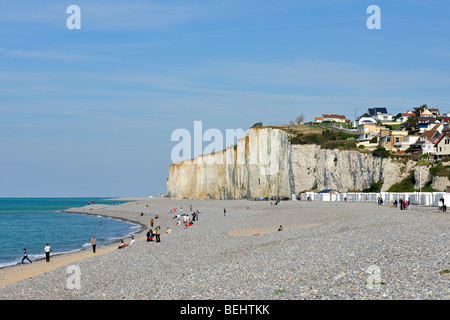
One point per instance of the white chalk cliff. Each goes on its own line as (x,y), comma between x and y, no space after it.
(265,164)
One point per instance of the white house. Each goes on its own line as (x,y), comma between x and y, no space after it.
(365,118)
(406,115)
(380,114)
(427,140)
(442,145)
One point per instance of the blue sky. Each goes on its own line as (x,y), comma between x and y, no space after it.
(90,112)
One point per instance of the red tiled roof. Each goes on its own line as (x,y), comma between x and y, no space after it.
(334,116)
(409,113)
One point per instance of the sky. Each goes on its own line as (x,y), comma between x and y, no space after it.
(91,111)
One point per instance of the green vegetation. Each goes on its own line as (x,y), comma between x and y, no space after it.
(325,138)
(444,271)
(440,170)
(406,185)
(381,152)
(427,188)
(374,187)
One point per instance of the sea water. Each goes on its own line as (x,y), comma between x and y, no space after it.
(31,223)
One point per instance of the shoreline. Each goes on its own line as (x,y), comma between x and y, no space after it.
(323,252)
(18,271)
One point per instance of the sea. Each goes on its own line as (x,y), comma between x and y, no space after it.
(31,223)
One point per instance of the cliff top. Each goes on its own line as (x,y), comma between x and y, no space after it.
(325,138)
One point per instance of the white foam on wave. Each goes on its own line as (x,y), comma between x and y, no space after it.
(9,264)
(115,238)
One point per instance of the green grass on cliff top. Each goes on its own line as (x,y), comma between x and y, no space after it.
(325,138)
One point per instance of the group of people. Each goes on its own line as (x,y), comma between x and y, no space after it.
(47,250)
(187,221)
(156,234)
(123,244)
(380,201)
(404,204)
(150,234)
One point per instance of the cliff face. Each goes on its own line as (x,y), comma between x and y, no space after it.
(343,170)
(258,165)
(265,164)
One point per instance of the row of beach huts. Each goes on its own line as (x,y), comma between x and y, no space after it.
(431,199)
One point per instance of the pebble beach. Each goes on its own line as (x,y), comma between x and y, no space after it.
(326,251)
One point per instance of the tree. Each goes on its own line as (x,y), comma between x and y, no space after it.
(411,125)
(298,121)
(419,110)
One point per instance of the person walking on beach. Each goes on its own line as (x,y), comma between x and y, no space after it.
(224,212)
(47,250)
(151,222)
(25,256)
(93,243)
(158,234)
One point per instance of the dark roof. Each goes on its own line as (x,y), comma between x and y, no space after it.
(326,191)
(374,111)
(444,134)
(426,119)
(365,115)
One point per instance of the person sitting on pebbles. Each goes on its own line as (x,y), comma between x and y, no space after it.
(122,245)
